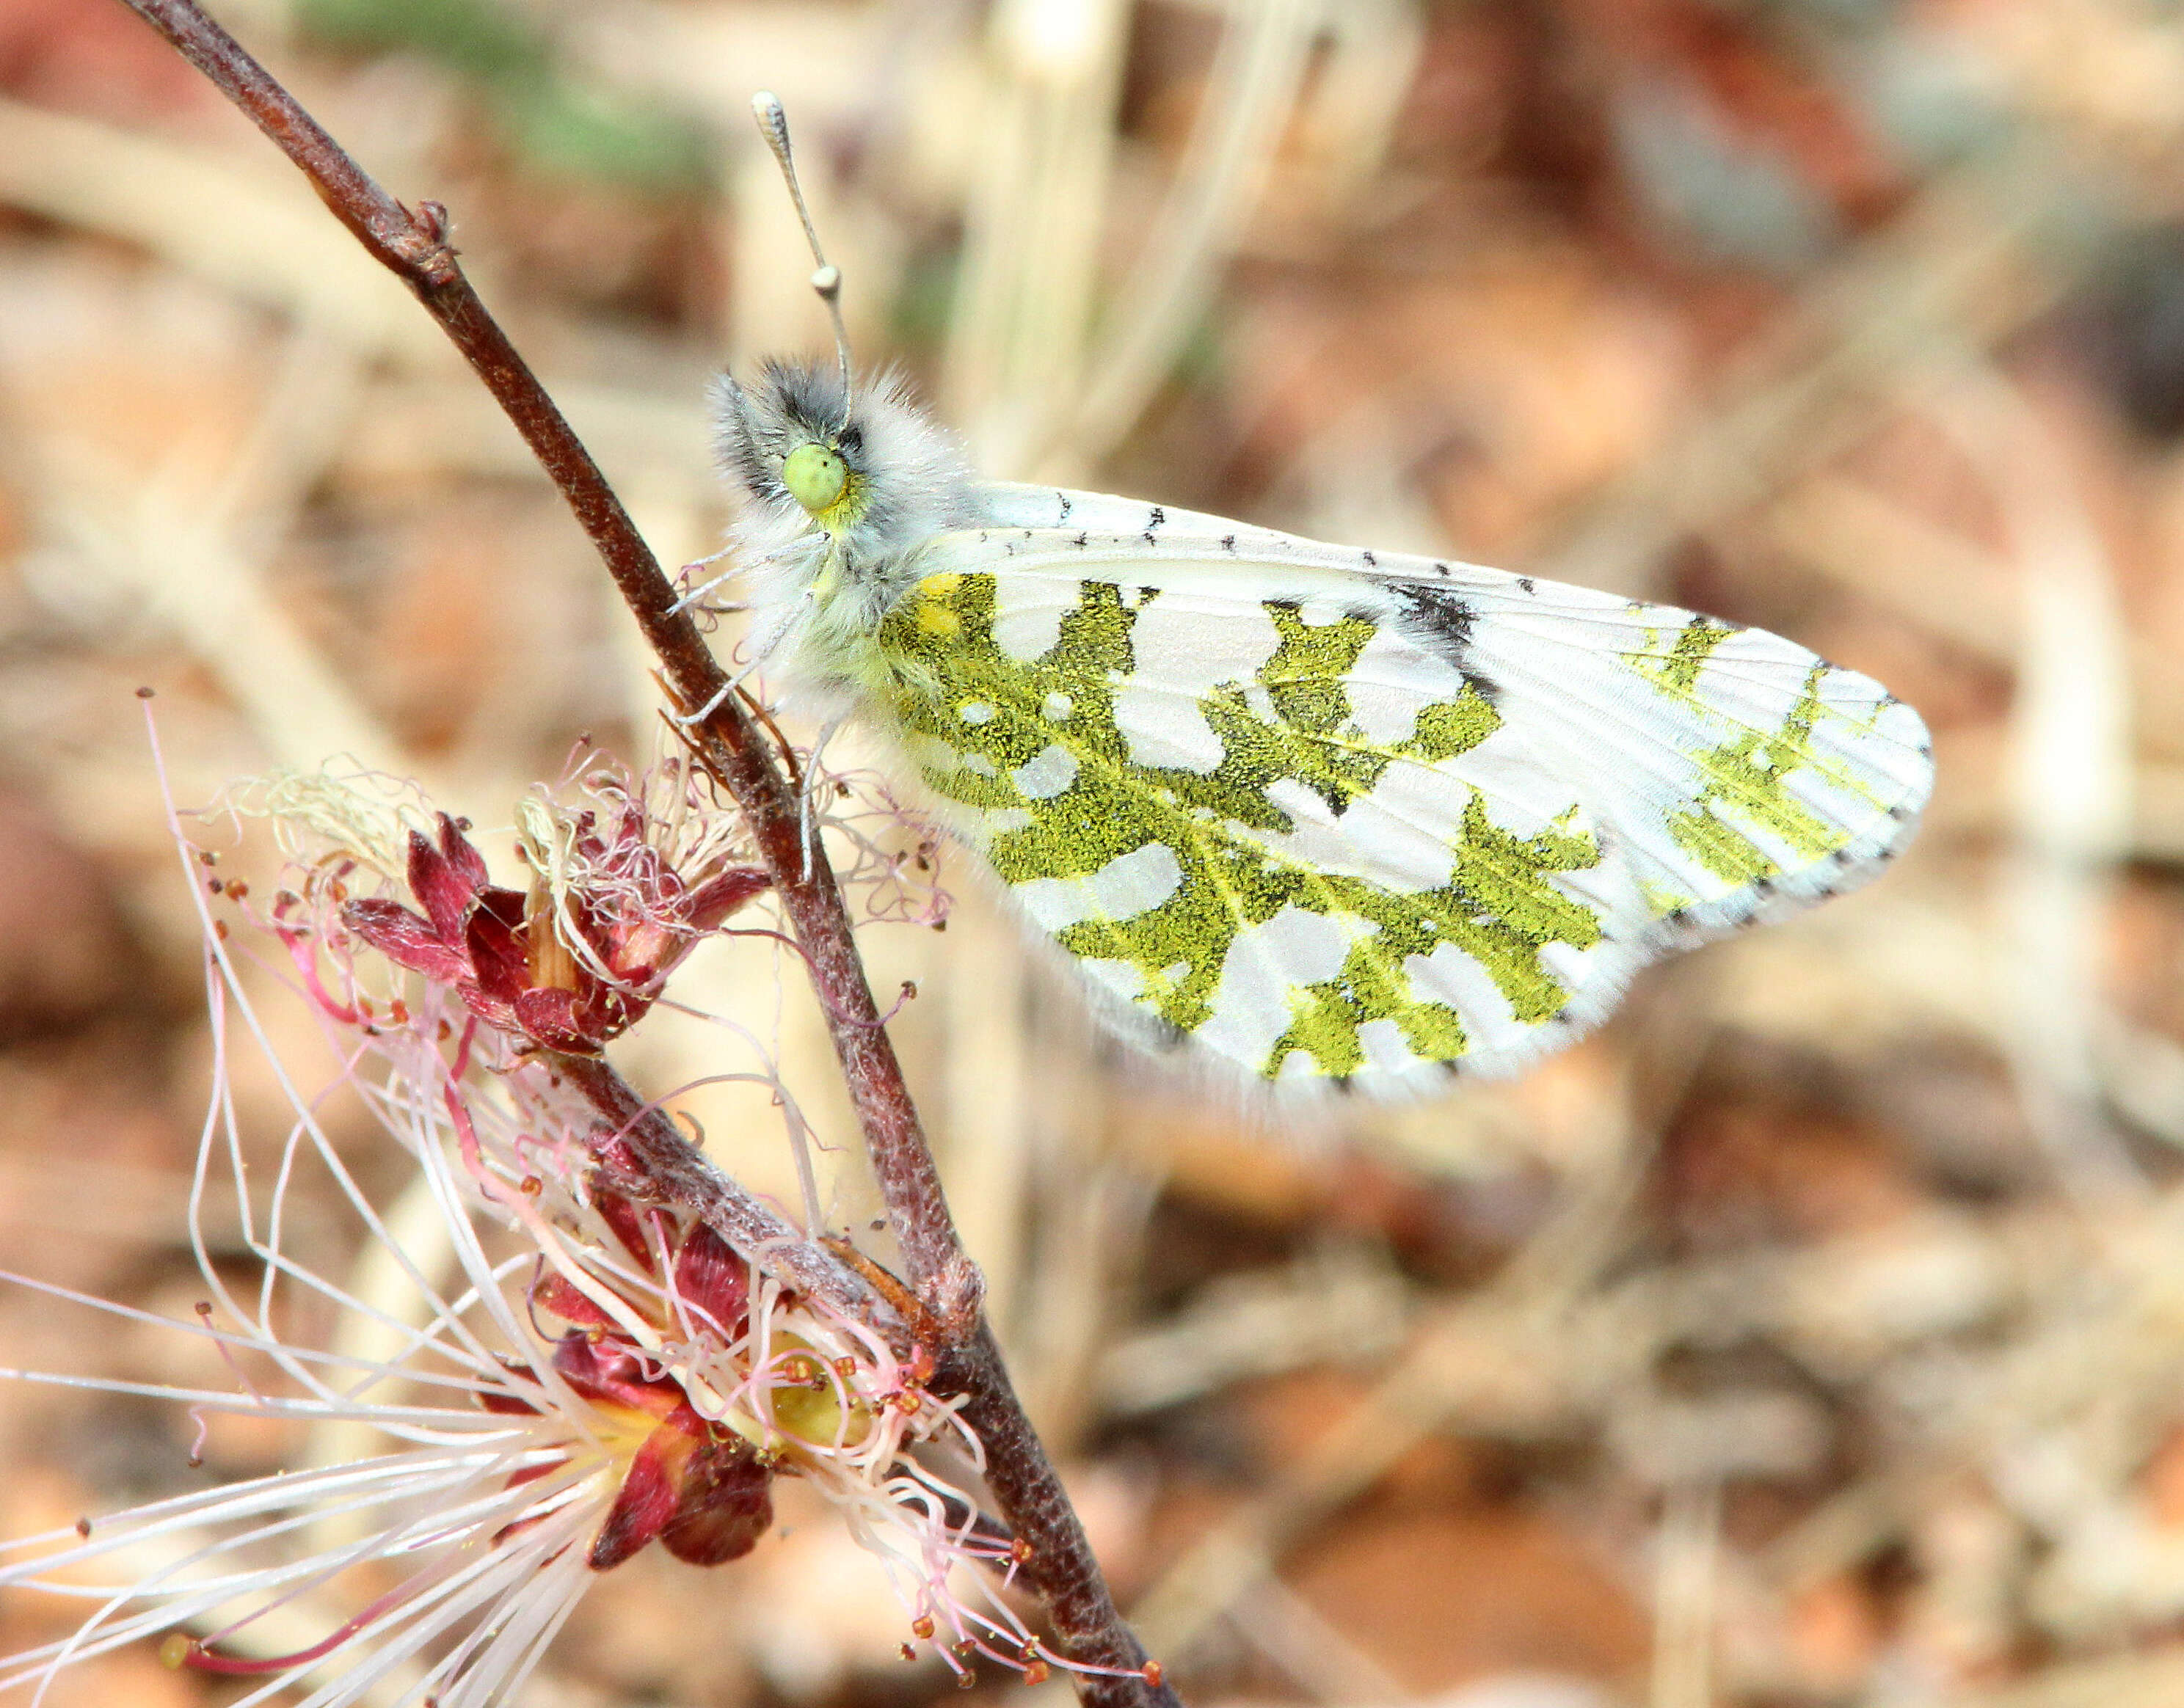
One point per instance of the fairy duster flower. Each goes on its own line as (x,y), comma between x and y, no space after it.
(548,1375)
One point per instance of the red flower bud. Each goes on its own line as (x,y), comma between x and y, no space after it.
(563,970)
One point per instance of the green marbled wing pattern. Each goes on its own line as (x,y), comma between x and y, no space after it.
(1750,778)
(1330,823)
(1768,780)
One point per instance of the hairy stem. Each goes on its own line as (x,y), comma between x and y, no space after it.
(1026,1492)
(1062,1571)
(415,246)
(674,1172)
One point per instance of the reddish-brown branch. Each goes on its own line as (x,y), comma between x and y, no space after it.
(1029,1494)
(1062,1570)
(414,246)
(674,1172)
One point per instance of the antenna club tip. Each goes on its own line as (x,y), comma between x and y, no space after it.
(827,281)
(772,121)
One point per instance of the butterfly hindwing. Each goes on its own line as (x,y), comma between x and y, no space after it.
(1332,815)
(1746,775)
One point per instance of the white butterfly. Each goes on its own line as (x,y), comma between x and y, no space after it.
(1316,813)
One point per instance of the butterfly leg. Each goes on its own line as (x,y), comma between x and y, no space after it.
(699,592)
(705,586)
(761,649)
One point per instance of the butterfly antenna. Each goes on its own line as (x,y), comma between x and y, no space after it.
(826,278)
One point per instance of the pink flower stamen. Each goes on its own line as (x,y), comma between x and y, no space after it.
(671,1381)
(191,1654)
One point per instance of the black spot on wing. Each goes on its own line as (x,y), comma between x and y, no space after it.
(1156,516)
(1525,583)
(1228,543)
(1440,621)
(1436,616)
(1066,507)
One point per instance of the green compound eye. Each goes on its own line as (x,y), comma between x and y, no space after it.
(815,475)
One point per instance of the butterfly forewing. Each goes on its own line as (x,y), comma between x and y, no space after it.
(1330,815)
(1316,814)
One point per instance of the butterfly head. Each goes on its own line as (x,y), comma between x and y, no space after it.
(797,449)
(854,487)
(846,482)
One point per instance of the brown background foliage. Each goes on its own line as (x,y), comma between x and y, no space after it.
(1811,1336)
